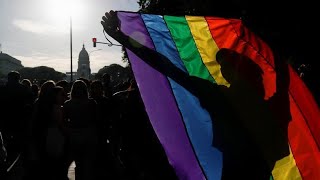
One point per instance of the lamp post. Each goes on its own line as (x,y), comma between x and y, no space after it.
(71,77)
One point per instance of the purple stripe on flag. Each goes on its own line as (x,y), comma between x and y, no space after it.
(160,104)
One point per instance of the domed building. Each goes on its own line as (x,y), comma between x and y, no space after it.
(84,70)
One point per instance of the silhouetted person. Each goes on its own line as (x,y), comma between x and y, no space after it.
(37,132)
(26,82)
(85,80)
(35,91)
(56,136)
(81,119)
(105,79)
(106,112)
(248,128)
(17,103)
(103,104)
(250,131)
(66,87)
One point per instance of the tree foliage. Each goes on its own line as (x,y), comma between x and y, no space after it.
(118,74)
(124,56)
(41,73)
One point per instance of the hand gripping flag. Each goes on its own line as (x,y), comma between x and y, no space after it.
(187,131)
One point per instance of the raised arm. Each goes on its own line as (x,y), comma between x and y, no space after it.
(111,25)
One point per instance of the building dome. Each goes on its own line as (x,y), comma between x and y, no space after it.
(83,55)
(84,70)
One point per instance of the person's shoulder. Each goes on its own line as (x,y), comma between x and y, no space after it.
(119,93)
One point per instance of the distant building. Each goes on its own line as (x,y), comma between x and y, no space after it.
(8,63)
(68,76)
(84,70)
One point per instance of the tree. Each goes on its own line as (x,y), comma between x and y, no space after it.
(125,55)
(118,74)
(41,73)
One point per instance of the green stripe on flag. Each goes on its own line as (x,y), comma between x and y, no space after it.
(187,48)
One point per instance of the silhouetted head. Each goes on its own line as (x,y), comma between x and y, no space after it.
(228,62)
(45,88)
(86,81)
(240,69)
(13,76)
(96,88)
(58,95)
(106,79)
(64,84)
(79,90)
(26,82)
(35,89)
(235,65)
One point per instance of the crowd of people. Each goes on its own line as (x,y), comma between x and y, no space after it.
(46,127)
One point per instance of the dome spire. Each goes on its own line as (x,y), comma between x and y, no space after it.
(83,55)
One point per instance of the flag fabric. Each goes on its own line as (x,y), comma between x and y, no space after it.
(183,127)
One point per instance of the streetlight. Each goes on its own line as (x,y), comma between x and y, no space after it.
(71,77)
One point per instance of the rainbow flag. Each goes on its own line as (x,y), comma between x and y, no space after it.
(184,128)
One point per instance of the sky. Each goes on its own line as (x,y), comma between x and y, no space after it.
(37,32)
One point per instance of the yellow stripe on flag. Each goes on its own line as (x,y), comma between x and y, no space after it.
(286,169)
(207,47)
